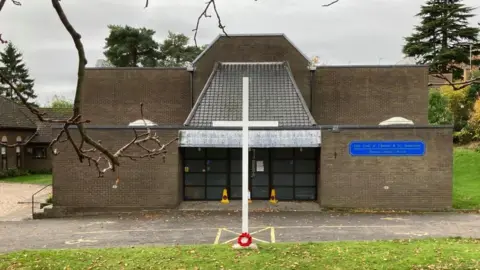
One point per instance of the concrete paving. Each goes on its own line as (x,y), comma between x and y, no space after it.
(220,227)
(254,206)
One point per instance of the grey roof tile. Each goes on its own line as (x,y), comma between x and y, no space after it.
(44,130)
(273,94)
(13,115)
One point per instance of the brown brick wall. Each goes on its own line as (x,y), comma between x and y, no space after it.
(370,95)
(250,49)
(144,183)
(113,96)
(414,182)
(28,161)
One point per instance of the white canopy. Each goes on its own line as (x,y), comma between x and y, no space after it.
(396,121)
(142,123)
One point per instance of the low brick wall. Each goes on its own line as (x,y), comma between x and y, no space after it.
(145,183)
(409,182)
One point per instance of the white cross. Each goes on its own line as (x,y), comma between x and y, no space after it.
(245,124)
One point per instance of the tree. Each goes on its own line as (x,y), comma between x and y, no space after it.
(97,151)
(438,113)
(442,35)
(16,71)
(131,47)
(175,51)
(60,103)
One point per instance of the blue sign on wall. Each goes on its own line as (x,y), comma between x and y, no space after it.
(387,148)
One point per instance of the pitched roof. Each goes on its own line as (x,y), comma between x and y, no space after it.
(44,130)
(274,96)
(13,115)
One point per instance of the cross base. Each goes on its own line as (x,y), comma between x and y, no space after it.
(251,246)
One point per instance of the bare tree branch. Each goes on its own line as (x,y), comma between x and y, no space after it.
(437,73)
(111,159)
(331,3)
(455,85)
(205,14)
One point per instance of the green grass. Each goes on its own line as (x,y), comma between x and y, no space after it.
(466,179)
(401,254)
(40,179)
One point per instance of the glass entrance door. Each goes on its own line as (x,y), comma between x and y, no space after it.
(259,174)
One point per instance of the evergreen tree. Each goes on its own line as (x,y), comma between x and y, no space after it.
(15,70)
(127,46)
(442,37)
(175,51)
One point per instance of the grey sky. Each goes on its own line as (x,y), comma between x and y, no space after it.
(349,32)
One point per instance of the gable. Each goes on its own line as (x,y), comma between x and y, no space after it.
(243,40)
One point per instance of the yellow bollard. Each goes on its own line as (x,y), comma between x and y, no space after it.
(273,197)
(225,197)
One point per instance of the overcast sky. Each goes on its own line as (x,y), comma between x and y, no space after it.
(349,32)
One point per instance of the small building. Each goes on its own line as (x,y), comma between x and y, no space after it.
(17,126)
(348,136)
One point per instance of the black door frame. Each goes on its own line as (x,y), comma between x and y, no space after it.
(267,165)
(252,159)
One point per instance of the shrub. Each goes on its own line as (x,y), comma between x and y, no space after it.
(458,105)
(49,198)
(438,113)
(464,136)
(474,121)
(9,173)
(13,173)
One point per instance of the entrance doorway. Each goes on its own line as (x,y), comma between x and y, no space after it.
(292,172)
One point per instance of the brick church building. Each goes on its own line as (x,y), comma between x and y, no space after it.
(334,145)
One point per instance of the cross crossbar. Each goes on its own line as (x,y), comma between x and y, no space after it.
(241,123)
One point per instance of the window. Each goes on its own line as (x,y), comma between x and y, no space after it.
(294,173)
(3,154)
(206,173)
(40,152)
(18,151)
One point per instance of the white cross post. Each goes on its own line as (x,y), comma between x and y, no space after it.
(245,124)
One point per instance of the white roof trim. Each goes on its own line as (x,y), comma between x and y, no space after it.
(249,35)
(251,63)
(240,123)
(396,121)
(142,123)
(257,138)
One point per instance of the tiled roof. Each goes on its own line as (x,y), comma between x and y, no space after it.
(13,115)
(45,129)
(274,96)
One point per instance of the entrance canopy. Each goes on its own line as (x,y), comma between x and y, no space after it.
(257,138)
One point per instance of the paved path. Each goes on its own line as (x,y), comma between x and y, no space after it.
(15,200)
(175,227)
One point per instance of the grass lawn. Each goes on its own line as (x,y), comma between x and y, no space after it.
(401,254)
(466,179)
(40,179)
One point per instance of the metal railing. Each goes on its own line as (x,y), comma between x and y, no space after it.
(33,197)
